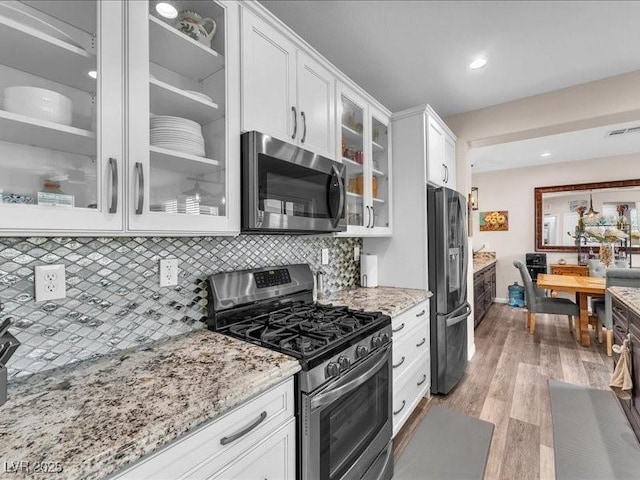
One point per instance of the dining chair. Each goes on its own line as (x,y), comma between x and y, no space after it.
(538,302)
(615,277)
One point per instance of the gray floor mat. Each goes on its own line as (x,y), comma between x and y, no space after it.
(591,435)
(446,446)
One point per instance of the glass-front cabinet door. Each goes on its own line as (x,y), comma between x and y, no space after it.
(352,112)
(181,162)
(365,151)
(61,117)
(380,173)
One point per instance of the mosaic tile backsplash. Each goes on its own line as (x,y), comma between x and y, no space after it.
(113,297)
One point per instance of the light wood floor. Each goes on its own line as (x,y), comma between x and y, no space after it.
(506,384)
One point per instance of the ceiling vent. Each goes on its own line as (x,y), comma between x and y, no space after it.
(622,131)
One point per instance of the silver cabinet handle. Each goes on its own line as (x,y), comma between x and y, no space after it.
(295,122)
(373,217)
(444,173)
(421,313)
(398,329)
(424,379)
(422,342)
(140,175)
(395,412)
(233,437)
(401,362)
(113,165)
(304,125)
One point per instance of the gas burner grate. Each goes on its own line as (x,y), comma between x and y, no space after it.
(303,329)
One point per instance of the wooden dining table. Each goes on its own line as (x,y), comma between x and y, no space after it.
(583,287)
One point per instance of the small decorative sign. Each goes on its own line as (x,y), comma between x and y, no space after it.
(574,204)
(496,221)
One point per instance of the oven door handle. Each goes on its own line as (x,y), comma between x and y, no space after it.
(335,174)
(338,391)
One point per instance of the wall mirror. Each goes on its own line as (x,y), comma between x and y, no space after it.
(557,207)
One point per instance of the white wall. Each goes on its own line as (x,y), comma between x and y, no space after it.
(513,190)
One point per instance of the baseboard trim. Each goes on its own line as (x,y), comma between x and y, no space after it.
(472,352)
(501,300)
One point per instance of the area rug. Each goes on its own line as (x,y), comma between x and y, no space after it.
(446,446)
(591,435)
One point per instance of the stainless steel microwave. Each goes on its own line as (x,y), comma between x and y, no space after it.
(287,189)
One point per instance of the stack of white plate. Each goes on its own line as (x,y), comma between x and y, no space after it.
(175,133)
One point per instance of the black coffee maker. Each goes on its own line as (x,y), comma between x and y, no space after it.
(536,264)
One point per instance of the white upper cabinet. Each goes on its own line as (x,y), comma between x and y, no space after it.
(72,84)
(61,138)
(183,147)
(268,80)
(316,93)
(450,160)
(364,150)
(441,156)
(285,93)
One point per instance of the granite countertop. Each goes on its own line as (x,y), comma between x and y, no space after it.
(389,300)
(98,416)
(483,260)
(630,296)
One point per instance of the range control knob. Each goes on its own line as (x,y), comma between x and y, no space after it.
(385,338)
(344,363)
(376,342)
(361,351)
(333,369)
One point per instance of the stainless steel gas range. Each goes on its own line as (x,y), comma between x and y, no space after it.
(344,388)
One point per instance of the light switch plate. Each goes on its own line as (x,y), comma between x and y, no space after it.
(50,282)
(168,272)
(325,256)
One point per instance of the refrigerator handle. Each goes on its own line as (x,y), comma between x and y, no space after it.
(459,318)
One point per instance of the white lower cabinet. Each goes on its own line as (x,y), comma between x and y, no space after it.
(255,439)
(411,362)
(273,459)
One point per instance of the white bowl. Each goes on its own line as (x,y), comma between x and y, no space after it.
(38,103)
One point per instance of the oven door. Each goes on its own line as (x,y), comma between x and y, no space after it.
(347,425)
(287,188)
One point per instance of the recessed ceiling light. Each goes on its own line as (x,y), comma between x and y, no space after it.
(545,154)
(166,10)
(478,63)
(93,74)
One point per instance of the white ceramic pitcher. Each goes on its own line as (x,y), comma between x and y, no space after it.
(200,29)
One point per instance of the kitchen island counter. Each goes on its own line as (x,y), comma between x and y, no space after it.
(389,300)
(630,296)
(94,417)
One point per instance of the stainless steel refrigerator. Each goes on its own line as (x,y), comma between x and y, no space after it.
(448,253)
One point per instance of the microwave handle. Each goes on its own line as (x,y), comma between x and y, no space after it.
(338,177)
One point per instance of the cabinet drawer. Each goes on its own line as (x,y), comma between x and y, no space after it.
(408,348)
(409,389)
(202,452)
(415,314)
(274,458)
(634,319)
(619,313)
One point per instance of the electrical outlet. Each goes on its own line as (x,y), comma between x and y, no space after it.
(356,253)
(168,272)
(50,282)
(325,256)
